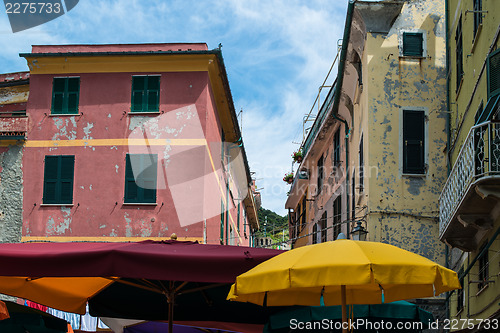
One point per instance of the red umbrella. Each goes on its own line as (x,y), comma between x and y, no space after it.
(127,279)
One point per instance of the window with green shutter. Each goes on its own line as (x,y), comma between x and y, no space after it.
(58,179)
(494,74)
(140,178)
(478,15)
(145,93)
(65,95)
(413,142)
(459,55)
(413,44)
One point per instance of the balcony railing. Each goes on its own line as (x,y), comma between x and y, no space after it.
(311,136)
(13,124)
(479,159)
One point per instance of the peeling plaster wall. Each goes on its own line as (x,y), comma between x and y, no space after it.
(11,193)
(392,202)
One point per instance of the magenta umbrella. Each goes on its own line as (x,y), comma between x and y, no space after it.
(142,280)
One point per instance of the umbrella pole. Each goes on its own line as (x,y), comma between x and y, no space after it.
(344,308)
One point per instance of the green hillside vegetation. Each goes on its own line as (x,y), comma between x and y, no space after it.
(274,226)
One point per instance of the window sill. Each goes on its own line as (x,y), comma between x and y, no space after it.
(412,56)
(459,88)
(476,37)
(409,175)
(482,289)
(140,204)
(131,113)
(65,114)
(56,205)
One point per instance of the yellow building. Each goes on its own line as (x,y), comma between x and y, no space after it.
(375,156)
(469,204)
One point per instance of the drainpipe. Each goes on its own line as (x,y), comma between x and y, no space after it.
(448,130)
(338,90)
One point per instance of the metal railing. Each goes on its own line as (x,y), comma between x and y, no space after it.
(318,121)
(479,157)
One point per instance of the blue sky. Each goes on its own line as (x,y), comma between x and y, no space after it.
(277,54)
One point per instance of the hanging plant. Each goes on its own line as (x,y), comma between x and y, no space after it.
(288,178)
(298,156)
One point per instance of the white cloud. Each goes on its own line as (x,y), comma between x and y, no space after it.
(276,52)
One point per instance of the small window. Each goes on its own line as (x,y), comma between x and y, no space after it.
(478,15)
(494,74)
(140,178)
(413,142)
(321,172)
(315,234)
(145,93)
(336,147)
(304,212)
(361,165)
(324,229)
(483,269)
(353,196)
(413,44)
(65,95)
(58,179)
(337,214)
(460,292)
(459,55)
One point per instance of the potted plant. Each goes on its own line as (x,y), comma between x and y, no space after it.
(288,178)
(298,156)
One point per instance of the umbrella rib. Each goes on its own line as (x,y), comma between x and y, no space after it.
(156,290)
(203,288)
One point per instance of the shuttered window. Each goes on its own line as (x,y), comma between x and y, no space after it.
(320,173)
(413,142)
(140,178)
(145,93)
(323,226)
(336,147)
(494,74)
(65,95)
(315,234)
(413,44)
(337,211)
(459,54)
(58,179)
(478,15)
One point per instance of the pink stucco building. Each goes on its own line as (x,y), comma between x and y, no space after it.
(126,142)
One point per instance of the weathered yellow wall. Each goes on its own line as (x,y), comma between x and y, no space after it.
(15,94)
(463,105)
(402,210)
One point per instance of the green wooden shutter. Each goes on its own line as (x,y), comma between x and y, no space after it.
(67,165)
(153,93)
(145,93)
(413,44)
(73,93)
(50,179)
(58,179)
(138,87)
(130,185)
(494,74)
(58,87)
(413,142)
(147,178)
(141,187)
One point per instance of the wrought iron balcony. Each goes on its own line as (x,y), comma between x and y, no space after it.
(468,199)
(13,125)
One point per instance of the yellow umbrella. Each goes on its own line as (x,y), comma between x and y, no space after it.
(342,272)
